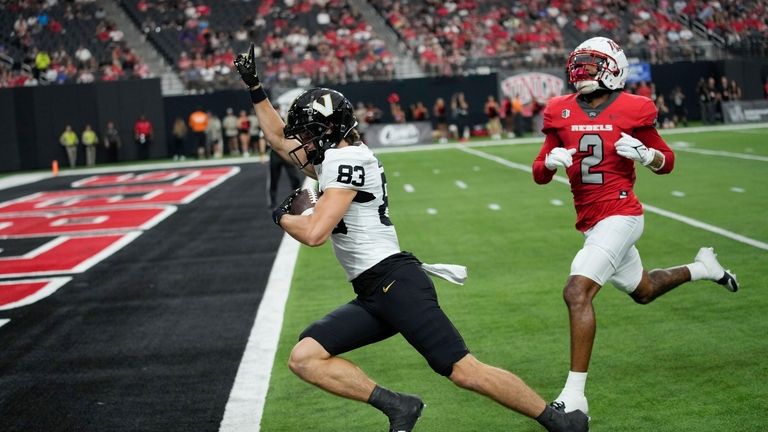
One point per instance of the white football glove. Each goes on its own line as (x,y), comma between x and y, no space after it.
(631,148)
(559,157)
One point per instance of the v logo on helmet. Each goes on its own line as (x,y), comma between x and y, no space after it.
(326,108)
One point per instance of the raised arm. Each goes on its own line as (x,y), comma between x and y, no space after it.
(269,119)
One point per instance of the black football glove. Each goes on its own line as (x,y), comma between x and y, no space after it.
(246,66)
(284,207)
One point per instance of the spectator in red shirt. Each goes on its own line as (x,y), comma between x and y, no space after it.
(644,90)
(142,132)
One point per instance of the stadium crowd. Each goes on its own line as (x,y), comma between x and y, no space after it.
(451,37)
(297,41)
(63,42)
(320,41)
(328,41)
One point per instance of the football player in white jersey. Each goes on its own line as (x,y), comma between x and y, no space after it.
(394,293)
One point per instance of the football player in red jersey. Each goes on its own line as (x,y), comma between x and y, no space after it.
(596,135)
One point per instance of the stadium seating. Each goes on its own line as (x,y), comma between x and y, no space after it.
(453,38)
(302,42)
(62,42)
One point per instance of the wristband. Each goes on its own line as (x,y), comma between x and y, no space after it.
(278,214)
(258,94)
(663,160)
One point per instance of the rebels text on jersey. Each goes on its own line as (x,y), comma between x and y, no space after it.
(601,180)
(365,235)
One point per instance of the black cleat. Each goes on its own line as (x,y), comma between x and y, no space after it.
(729,281)
(405,415)
(555,419)
(576,421)
(558,406)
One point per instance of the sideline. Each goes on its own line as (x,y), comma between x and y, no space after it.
(746,156)
(22,179)
(678,217)
(540,140)
(245,405)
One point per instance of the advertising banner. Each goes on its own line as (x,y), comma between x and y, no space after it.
(398,134)
(530,86)
(745,111)
(639,72)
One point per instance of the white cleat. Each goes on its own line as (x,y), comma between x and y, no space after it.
(716,272)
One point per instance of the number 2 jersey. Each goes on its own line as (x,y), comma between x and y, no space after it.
(601,180)
(365,235)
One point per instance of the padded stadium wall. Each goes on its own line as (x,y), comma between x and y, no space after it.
(33,118)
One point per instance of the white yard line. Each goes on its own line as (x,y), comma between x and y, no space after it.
(249,391)
(746,156)
(245,405)
(680,218)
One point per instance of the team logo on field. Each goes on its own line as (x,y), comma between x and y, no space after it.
(566,113)
(47,237)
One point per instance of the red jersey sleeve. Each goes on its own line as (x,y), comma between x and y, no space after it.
(647,134)
(650,137)
(542,175)
(548,118)
(646,114)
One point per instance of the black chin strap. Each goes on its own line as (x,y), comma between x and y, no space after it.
(589,97)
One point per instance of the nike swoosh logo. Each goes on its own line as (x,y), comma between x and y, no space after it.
(386,288)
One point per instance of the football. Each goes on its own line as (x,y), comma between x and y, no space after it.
(304,203)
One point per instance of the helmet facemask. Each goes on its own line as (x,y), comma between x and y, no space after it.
(598,63)
(313,145)
(319,119)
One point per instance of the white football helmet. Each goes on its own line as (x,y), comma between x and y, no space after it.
(597,63)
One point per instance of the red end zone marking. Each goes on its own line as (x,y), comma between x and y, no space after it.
(119,196)
(65,255)
(85,222)
(18,293)
(96,213)
(178,177)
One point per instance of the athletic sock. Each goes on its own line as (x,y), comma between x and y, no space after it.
(698,271)
(576,382)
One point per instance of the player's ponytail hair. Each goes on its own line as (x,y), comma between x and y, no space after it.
(353,136)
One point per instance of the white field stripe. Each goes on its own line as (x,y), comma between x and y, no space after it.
(249,391)
(707,227)
(540,140)
(460,184)
(4,322)
(721,153)
(107,252)
(680,218)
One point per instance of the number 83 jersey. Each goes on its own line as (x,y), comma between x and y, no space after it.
(365,234)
